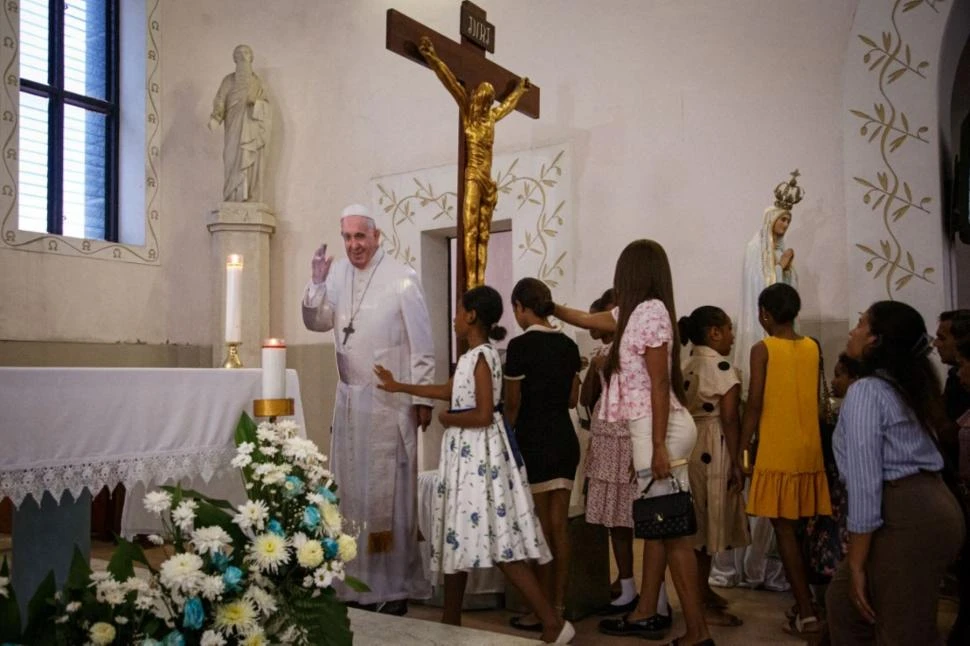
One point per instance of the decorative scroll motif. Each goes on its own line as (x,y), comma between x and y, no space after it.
(94,475)
(535,195)
(10,235)
(885,192)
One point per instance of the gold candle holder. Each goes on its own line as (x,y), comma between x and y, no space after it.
(232,356)
(273,407)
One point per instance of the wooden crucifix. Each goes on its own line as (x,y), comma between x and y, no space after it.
(475,83)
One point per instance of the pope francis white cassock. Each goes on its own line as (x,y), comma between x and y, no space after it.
(376,308)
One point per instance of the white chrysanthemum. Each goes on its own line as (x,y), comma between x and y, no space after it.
(310,554)
(258,638)
(72,607)
(210,539)
(181,572)
(102,633)
(110,592)
(268,451)
(346,548)
(267,433)
(245,448)
(298,539)
(158,502)
(252,514)
(121,621)
(99,576)
(155,539)
(322,577)
(138,585)
(241,460)
(212,587)
(236,618)
(265,602)
(332,520)
(212,638)
(268,551)
(272,474)
(184,515)
(63,619)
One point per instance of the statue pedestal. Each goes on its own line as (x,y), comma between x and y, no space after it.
(243,228)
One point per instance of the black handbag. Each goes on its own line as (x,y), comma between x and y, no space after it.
(667,516)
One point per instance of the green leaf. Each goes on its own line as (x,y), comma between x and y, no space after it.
(909,193)
(79,575)
(356,584)
(912,4)
(868,41)
(875,133)
(909,261)
(40,613)
(902,117)
(878,201)
(245,430)
(863,182)
(897,142)
(883,180)
(122,563)
(866,249)
(880,111)
(887,40)
(323,617)
(902,281)
(882,268)
(886,249)
(900,212)
(9,611)
(861,115)
(876,63)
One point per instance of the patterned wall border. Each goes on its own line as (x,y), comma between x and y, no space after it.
(14,238)
(882,189)
(535,195)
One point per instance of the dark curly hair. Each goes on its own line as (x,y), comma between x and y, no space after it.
(486,303)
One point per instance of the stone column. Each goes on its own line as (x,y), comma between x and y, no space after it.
(242,228)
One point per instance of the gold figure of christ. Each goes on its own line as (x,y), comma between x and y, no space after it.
(478,119)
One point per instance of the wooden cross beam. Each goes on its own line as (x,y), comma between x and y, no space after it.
(467,62)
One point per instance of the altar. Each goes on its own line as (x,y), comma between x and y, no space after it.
(72,431)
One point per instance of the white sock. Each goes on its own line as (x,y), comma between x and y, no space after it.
(663,603)
(628,592)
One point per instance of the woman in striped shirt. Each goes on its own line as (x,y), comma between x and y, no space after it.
(904,525)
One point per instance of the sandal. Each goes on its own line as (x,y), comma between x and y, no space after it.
(516,622)
(807,628)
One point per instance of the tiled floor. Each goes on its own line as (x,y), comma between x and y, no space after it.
(762,612)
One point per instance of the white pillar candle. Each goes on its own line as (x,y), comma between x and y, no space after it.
(234,268)
(274,369)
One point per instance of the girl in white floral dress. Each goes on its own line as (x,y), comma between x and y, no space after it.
(483,514)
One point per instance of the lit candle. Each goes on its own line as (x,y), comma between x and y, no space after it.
(274,369)
(234,268)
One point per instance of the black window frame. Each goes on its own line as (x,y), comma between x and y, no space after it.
(59,97)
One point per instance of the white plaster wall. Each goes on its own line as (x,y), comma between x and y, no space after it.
(682,115)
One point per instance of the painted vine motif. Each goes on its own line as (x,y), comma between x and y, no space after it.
(529,192)
(887,193)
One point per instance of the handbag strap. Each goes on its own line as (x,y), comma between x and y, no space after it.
(676,483)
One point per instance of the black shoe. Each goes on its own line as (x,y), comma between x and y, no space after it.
(369,607)
(611,609)
(397,608)
(650,628)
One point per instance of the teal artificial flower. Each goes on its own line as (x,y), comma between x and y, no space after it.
(293,486)
(194,614)
(174,638)
(274,527)
(329,495)
(220,561)
(311,517)
(231,577)
(330,548)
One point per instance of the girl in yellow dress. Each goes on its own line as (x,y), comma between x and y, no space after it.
(789,480)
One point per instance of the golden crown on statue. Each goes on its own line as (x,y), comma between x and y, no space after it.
(788,194)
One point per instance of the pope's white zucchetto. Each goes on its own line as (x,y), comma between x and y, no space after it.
(356,209)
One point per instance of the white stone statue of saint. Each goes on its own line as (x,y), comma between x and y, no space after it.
(766,261)
(242,106)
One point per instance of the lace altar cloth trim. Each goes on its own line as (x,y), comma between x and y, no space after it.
(93,475)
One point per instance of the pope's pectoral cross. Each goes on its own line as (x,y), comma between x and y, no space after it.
(348,330)
(466,64)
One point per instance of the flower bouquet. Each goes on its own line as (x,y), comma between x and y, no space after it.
(259,573)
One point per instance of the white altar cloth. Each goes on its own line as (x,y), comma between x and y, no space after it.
(70,429)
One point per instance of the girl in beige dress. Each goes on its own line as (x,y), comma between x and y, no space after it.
(713,389)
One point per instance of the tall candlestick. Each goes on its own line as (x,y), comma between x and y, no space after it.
(274,369)
(234,268)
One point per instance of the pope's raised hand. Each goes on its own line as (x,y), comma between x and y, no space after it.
(385,378)
(320,265)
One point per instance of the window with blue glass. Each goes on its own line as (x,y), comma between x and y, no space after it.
(69,98)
